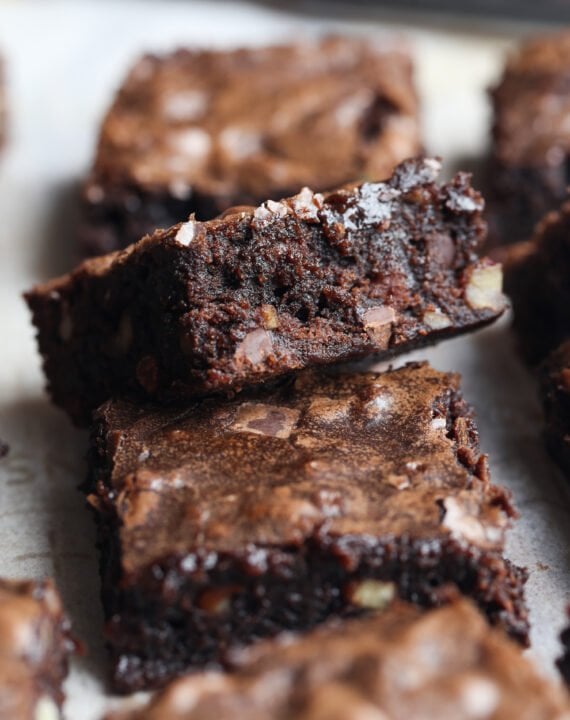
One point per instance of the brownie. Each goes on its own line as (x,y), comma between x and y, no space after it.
(529,168)
(35,645)
(536,279)
(555,395)
(379,268)
(230,521)
(563,662)
(201,131)
(397,664)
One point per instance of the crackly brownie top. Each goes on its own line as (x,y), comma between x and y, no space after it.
(257,121)
(34,639)
(532,103)
(400,664)
(325,455)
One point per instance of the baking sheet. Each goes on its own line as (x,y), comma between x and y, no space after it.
(64,60)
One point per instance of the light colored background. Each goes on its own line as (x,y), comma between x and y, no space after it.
(64,61)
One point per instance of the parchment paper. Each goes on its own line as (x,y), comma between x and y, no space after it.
(64,60)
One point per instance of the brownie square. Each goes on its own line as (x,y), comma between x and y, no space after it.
(35,645)
(230,521)
(536,280)
(200,131)
(531,136)
(399,664)
(315,279)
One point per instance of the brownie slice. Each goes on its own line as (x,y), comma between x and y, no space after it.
(230,521)
(398,664)
(530,163)
(35,645)
(555,394)
(536,279)
(312,280)
(200,131)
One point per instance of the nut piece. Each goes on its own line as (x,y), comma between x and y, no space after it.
(484,287)
(217,600)
(269,420)
(254,348)
(46,709)
(377,322)
(270,317)
(372,594)
(186,233)
(436,320)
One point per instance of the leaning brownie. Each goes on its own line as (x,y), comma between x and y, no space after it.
(310,280)
(537,281)
(230,521)
(200,131)
(531,136)
(35,646)
(398,664)
(555,392)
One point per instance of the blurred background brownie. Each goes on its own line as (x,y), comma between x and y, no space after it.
(537,276)
(311,280)
(331,494)
(200,131)
(530,166)
(398,664)
(555,393)
(35,646)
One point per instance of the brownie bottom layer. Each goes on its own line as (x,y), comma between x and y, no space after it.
(187,613)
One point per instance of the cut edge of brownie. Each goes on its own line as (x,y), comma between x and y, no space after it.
(312,280)
(554,377)
(189,594)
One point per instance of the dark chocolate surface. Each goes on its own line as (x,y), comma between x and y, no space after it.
(201,131)
(310,280)
(555,393)
(231,521)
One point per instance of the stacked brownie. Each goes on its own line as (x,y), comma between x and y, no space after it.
(311,493)
(35,645)
(201,131)
(531,137)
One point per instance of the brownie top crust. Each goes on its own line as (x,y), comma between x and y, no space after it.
(330,456)
(532,103)
(255,123)
(400,664)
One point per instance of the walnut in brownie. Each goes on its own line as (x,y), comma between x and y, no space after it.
(35,645)
(531,137)
(555,393)
(537,282)
(399,664)
(200,131)
(315,279)
(229,521)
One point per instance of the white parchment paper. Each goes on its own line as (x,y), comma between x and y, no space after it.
(64,60)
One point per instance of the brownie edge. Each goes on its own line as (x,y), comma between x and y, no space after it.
(398,664)
(378,268)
